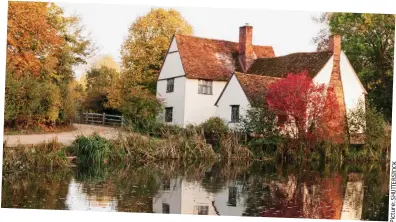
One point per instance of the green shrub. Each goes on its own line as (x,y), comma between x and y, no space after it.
(92,149)
(214,129)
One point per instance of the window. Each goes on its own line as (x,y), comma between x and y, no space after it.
(166,184)
(170,85)
(201,210)
(205,87)
(232,192)
(165,208)
(168,114)
(234,113)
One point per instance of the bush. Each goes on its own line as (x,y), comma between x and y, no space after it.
(92,149)
(376,131)
(214,129)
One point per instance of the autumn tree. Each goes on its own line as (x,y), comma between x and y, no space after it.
(368,41)
(98,83)
(143,53)
(301,103)
(42,47)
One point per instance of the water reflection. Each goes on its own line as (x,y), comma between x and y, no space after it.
(264,190)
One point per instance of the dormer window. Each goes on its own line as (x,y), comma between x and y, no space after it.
(205,87)
(170,85)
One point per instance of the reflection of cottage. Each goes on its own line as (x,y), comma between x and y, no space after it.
(202,78)
(183,197)
(353,201)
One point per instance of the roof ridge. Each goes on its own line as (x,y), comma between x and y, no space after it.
(213,39)
(258,75)
(294,53)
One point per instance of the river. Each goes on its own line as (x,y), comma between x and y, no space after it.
(250,189)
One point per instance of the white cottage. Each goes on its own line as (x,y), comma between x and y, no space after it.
(202,78)
(196,70)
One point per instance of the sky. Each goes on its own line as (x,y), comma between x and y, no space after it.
(286,31)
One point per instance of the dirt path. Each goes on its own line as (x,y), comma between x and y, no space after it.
(65,138)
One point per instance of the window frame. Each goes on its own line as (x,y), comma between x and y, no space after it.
(167,207)
(201,210)
(166,115)
(238,119)
(232,196)
(170,87)
(205,87)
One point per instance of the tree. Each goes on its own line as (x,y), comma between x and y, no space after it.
(299,102)
(108,62)
(98,82)
(43,45)
(143,52)
(368,41)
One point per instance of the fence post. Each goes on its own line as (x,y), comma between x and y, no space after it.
(86,118)
(104,118)
(122,120)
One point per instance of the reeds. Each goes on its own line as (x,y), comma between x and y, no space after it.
(92,149)
(50,154)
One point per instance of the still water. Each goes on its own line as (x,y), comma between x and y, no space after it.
(250,189)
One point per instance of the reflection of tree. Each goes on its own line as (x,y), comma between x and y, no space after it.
(295,195)
(376,194)
(35,190)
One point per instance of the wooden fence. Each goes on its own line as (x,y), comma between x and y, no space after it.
(101,119)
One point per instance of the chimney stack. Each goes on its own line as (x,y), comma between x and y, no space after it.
(246,53)
(339,122)
(335,46)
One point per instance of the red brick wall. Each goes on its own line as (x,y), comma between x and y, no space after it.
(339,124)
(246,53)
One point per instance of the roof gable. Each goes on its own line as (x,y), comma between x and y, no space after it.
(213,59)
(280,66)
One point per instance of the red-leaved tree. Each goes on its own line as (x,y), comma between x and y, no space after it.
(304,107)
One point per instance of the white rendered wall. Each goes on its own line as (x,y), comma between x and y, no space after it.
(172,67)
(323,77)
(354,93)
(221,200)
(173,99)
(200,107)
(233,95)
(193,194)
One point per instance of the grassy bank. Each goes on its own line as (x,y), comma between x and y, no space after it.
(26,158)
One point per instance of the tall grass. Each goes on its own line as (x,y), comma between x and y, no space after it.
(44,155)
(92,149)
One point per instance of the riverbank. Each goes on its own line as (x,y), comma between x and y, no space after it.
(245,188)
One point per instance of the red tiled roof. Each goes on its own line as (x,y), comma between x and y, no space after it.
(254,86)
(280,66)
(213,59)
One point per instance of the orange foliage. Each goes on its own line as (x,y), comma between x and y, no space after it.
(32,42)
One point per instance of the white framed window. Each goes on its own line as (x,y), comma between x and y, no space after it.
(168,114)
(201,210)
(205,87)
(234,113)
(170,85)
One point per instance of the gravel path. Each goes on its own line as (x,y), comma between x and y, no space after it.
(65,138)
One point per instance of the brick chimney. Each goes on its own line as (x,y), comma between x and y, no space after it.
(246,53)
(340,123)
